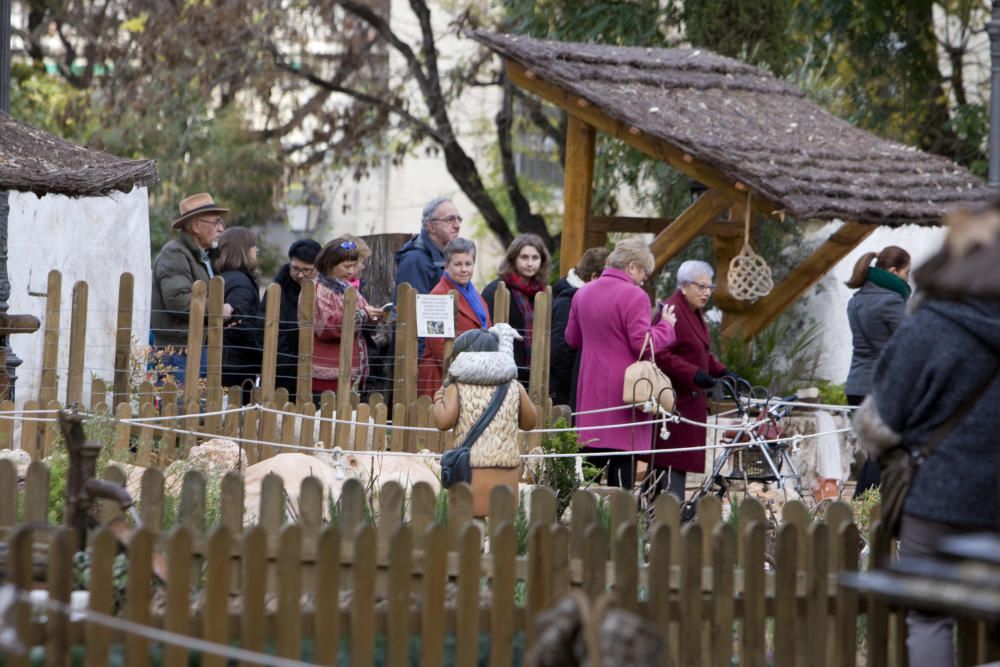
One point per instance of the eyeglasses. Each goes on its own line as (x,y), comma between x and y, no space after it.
(451,219)
(705,287)
(348,245)
(302,270)
(217,222)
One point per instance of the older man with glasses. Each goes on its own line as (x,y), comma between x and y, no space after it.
(420,262)
(180,263)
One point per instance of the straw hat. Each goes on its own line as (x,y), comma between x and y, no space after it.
(196,205)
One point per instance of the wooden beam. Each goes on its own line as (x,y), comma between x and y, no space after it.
(687,225)
(801,278)
(616,223)
(577,188)
(579,108)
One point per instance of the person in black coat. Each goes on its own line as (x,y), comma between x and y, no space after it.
(242,339)
(290,277)
(564,367)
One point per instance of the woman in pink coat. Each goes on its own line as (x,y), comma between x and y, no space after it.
(608,321)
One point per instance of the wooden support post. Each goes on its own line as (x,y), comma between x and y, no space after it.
(687,225)
(216,297)
(77,345)
(50,348)
(347,347)
(540,338)
(123,338)
(269,361)
(307,302)
(196,335)
(501,304)
(449,343)
(577,188)
(403,325)
(801,278)
(410,350)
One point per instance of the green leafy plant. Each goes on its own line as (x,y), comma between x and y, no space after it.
(831,393)
(559,474)
(521,526)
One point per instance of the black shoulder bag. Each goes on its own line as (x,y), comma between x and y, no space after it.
(455,466)
(899,464)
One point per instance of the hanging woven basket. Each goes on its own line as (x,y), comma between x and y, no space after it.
(749,275)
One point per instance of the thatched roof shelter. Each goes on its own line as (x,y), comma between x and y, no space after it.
(32,160)
(738,130)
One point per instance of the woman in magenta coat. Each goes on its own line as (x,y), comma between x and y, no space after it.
(692,369)
(608,321)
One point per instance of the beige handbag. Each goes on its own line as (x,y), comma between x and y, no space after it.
(644,381)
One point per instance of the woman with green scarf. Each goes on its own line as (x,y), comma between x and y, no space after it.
(874,313)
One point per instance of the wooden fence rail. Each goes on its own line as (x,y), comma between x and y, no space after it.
(131,396)
(369,579)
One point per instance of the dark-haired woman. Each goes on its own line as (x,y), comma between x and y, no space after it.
(242,337)
(874,313)
(525,271)
(337,265)
(299,269)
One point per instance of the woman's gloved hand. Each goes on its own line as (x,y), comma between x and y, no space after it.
(703,379)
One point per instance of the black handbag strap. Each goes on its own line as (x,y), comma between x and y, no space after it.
(488,414)
(945,428)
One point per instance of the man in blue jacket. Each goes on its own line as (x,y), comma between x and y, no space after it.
(420,261)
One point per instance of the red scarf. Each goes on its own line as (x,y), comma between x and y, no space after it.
(522,293)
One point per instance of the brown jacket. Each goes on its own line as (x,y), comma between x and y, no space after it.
(175,270)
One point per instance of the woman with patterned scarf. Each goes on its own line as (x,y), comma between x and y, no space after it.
(525,272)
(337,265)
(471,312)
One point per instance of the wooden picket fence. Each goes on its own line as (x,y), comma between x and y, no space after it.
(718,590)
(190,410)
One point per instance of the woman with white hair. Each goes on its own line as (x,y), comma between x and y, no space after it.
(692,369)
(608,321)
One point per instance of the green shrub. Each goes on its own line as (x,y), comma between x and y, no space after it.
(831,393)
(781,358)
(559,474)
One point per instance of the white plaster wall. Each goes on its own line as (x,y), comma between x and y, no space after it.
(827,302)
(94,239)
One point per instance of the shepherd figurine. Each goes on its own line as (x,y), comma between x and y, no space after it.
(485,404)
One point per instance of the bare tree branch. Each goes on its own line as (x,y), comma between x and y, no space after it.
(527,221)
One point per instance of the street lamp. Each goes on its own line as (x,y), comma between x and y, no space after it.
(993,28)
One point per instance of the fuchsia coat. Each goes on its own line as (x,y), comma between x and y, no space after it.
(608,320)
(689,354)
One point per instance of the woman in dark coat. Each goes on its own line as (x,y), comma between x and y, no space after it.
(874,313)
(936,386)
(692,369)
(243,336)
(564,367)
(291,276)
(525,271)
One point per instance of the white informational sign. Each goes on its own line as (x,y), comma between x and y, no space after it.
(435,316)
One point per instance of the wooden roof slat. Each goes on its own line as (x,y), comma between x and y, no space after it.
(32,160)
(652,146)
(739,124)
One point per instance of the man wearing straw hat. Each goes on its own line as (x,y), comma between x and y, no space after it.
(180,263)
